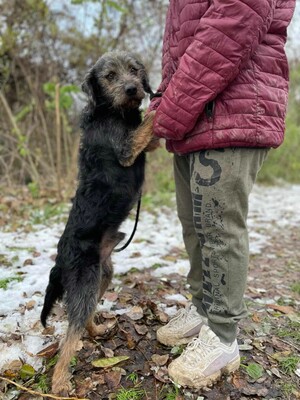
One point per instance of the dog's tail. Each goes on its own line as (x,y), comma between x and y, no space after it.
(54,292)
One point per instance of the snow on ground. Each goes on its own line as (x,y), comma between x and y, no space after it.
(272,209)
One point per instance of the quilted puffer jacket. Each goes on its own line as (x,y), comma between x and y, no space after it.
(224,74)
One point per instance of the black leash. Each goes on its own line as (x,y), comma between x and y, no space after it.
(135,226)
(156,94)
(152,95)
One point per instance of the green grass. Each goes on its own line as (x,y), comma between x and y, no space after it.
(130,394)
(288,365)
(133,377)
(42,384)
(291,330)
(288,389)
(5,282)
(169,393)
(296,287)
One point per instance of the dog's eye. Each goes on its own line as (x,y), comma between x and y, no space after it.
(110,76)
(133,71)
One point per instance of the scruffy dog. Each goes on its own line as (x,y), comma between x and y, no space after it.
(111,174)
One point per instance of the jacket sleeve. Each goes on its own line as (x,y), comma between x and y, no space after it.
(226,37)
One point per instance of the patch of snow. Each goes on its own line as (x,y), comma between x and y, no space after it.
(271,209)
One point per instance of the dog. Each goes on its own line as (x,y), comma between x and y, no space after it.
(111,175)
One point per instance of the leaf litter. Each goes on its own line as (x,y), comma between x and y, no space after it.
(140,301)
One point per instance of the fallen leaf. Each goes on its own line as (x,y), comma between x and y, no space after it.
(111,296)
(30,305)
(28,261)
(282,309)
(48,331)
(160,359)
(135,313)
(256,318)
(108,362)
(141,329)
(113,379)
(27,371)
(50,351)
(107,352)
(275,372)
(238,382)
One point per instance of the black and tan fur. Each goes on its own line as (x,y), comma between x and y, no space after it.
(111,174)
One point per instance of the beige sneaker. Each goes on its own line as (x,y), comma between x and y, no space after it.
(182,328)
(204,360)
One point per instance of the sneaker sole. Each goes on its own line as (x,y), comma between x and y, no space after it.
(169,341)
(209,380)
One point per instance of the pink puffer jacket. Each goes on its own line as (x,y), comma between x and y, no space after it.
(225,74)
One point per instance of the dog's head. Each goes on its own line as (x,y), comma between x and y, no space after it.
(118,79)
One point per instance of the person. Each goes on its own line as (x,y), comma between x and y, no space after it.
(223,105)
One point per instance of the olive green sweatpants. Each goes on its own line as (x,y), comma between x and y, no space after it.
(212,192)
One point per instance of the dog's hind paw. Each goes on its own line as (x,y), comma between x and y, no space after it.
(61,387)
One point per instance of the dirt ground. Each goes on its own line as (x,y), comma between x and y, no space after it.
(269,339)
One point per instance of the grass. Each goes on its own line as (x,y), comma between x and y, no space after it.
(296,288)
(42,384)
(291,330)
(169,393)
(130,394)
(133,377)
(288,365)
(6,281)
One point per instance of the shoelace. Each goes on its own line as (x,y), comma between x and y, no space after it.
(183,313)
(197,350)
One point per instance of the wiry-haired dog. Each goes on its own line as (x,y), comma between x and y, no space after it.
(111,173)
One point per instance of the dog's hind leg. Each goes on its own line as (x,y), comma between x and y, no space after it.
(61,384)
(109,241)
(82,288)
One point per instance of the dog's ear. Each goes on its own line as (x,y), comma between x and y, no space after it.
(89,86)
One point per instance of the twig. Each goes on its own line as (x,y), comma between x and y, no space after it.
(290,344)
(51,396)
(58,139)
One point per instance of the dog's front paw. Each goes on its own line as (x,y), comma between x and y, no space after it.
(153,144)
(127,162)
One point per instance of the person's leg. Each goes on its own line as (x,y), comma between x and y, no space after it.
(187,322)
(221,181)
(186,205)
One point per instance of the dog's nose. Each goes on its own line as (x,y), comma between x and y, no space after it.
(130,90)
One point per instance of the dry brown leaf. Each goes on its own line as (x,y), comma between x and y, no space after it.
(107,352)
(135,313)
(282,309)
(50,351)
(111,296)
(256,318)
(141,329)
(160,359)
(28,261)
(49,331)
(113,379)
(30,304)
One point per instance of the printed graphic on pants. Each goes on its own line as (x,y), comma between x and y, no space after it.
(208,209)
